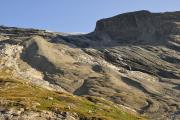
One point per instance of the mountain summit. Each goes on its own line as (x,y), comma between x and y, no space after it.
(140,27)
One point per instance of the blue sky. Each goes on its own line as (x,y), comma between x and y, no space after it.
(73,15)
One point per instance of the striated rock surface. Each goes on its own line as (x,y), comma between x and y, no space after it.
(132,59)
(139,28)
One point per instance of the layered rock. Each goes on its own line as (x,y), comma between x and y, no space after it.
(140,27)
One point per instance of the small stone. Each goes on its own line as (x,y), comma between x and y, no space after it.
(21,109)
(50,98)
(90,111)
(37,104)
(68,107)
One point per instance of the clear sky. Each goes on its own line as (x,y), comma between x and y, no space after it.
(73,15)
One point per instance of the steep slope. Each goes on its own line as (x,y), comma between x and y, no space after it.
(138,55)
(29,71)
(132,59)
(20,100)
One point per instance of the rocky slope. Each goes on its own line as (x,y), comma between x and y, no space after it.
(132,59)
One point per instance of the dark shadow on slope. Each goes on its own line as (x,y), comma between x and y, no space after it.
(30,55)
(133,83)
(83,90)
(92,41)
(171,59)
(167,74)
(174,47)
(177,87)
(10,41)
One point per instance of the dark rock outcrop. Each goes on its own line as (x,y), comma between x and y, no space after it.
(142,27)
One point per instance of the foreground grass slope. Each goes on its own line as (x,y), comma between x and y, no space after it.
(21,94)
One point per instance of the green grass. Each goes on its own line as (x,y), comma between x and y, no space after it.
(22,94)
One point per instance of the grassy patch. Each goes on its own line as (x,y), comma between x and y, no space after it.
(22,94)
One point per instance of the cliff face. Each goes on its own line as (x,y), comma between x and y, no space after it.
(132,59)
(140,27)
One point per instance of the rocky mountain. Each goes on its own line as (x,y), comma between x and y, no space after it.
(128,67)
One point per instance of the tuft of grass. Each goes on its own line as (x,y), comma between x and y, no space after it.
(22,94)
